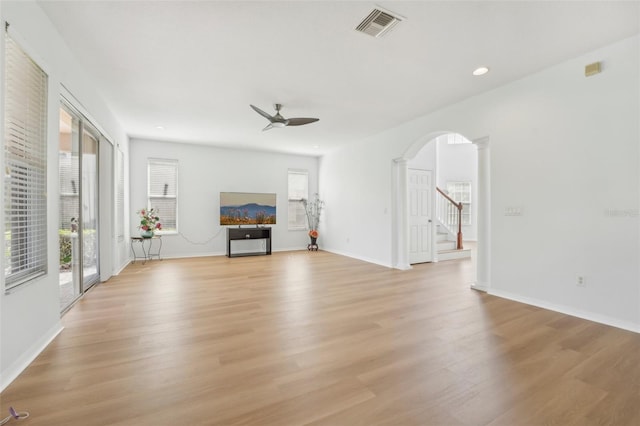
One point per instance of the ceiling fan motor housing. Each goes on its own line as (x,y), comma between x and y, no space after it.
(278,120)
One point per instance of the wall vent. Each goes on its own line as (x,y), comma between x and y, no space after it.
(378,22)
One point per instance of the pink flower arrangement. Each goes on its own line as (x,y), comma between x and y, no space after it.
(149,221)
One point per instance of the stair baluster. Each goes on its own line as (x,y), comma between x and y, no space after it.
(450,215)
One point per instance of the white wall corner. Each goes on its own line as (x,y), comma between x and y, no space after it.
(9,374)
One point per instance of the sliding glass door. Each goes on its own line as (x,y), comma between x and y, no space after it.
(69,210)
(78,215)
(89,214)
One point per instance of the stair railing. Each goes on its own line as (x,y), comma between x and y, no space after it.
(450,214)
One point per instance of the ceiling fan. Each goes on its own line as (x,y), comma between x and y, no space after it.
(279,121)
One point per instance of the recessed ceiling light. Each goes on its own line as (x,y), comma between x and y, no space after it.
(480,71)
(160,127)
(316,146)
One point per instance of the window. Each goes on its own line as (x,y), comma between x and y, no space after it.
(298,190)
(163,192)
(461,192)
(455,139)
(25,179)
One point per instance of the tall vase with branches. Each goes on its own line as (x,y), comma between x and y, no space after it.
(313,207)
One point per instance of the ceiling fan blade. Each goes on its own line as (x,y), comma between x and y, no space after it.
(269,126)
(261,112)
(300,121)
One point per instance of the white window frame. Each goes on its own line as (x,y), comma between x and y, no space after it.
(294,202)
(25,160)
(457,191)
(164,162)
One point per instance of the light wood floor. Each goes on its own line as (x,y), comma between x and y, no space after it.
(314,338)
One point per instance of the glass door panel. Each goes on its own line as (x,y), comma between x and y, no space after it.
(78,224)
(69,209)
(89,192)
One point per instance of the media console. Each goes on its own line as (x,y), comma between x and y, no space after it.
(236,234)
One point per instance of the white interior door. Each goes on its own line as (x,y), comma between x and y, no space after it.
(420,212)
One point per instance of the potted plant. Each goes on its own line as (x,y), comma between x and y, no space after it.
(149,222)
(313,208)
(313,234)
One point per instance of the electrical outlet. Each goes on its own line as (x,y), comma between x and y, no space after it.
(580,281)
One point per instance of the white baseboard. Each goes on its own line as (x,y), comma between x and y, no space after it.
(224,253)
(186,256)
(568,310)
(364,259)
(453,254)
(297,248)
(480,286)
(403,267)
(14,370)
(282,250)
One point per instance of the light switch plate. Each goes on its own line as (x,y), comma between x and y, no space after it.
(513,211)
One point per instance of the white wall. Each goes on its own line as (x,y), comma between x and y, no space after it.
(427,158)
(30,315)
(204,172)
(459,163)
(355,182)
(564,148)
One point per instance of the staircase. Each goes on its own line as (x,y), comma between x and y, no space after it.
(449,220)
(446,248)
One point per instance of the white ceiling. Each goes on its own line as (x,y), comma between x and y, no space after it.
(195,66)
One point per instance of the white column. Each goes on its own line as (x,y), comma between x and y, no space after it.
(401,241)
(483,260)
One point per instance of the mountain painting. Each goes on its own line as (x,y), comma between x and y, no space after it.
(244,208)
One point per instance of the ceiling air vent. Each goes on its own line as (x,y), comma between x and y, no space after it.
(378,23)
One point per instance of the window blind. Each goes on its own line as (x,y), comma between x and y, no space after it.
(298,189)
(163,192)
(25,183)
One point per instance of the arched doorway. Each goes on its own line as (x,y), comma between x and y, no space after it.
(400,252)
